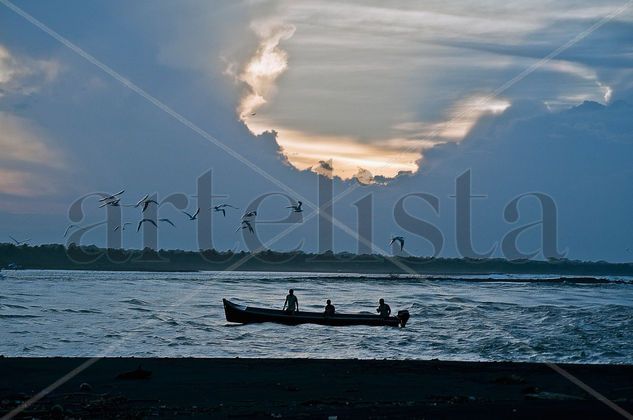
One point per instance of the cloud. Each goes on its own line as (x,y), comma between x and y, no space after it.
(27,160)
(324,168)
(305,151)
(371,86)
(263,69)
(391,81)
(462,117)
(580,157)
(387,81)
(364,176)
(23,75)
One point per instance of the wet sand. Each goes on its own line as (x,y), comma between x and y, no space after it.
(300,388)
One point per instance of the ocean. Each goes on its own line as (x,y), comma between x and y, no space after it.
(476,318)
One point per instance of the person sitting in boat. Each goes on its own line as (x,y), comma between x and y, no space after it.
(291,305)
(383,309)
(329,308)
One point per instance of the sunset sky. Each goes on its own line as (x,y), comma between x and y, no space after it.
(401,96)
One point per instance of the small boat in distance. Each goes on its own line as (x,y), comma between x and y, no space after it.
(248,315)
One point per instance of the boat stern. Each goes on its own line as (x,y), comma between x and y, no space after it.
(403,316)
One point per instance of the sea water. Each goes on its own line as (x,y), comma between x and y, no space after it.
(493,318)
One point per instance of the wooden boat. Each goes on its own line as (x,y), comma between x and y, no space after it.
(247,315)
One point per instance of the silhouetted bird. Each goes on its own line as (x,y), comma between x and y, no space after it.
(297,208)
(246,225)
(146,220)
(115,203)
(145,202)
(398,239)
(221,208)
(113,196)
(249,214)
(192,216)
(167,221)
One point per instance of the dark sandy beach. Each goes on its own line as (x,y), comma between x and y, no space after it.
(274,388)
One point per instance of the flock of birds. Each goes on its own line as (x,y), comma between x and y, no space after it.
(114,200)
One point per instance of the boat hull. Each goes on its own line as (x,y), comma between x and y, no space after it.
(247,315)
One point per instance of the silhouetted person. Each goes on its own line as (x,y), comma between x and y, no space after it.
(329,308)
(383,309)
(291,305)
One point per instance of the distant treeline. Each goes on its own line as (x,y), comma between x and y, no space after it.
(93,258)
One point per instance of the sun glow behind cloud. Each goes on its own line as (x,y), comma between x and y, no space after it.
(268,63)
(372,88)
(349,156)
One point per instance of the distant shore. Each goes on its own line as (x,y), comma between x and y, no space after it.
(58,257)
(289,388)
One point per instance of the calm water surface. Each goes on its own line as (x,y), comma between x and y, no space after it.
(83,313)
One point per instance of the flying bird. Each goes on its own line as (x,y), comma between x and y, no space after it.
(145,202)
(167,221)
(68,229)
(246,225)
(222,208)
(249,214)
(114,203)
(145,197)
(18,243)
(122,227)
(398,239)
(194,216)
(113,196)
(143,221)
(297,208)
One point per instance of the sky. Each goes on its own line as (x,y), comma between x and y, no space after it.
(274,97)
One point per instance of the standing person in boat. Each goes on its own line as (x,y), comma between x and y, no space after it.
(329,308)
(291,305)
(383,309)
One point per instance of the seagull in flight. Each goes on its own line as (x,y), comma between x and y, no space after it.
(249,214)
(143,221)
(114,203)
(398,239)
(145,202)
(69,228)
(222,208)
(167,221)
(297,208)
(246,225)
(18,243)
(122,227)
(113,196)
(194,216)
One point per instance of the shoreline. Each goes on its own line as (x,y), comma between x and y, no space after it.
(312,388)
(57,256)
(380,276)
